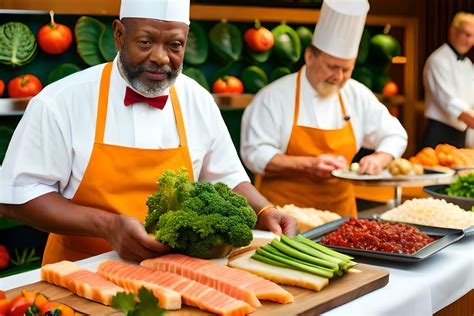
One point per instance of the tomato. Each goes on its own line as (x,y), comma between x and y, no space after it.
(2,87)
(228,84)
(390,88)
(49,309)
(4,258)
(259,38)
(54,38)
(19,305)
(24,86)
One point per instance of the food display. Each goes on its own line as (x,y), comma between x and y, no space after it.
(462,186)
(307,217)
(402,166)
(378,236)
(444,155)
(431,212)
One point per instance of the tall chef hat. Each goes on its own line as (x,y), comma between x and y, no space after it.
(168,10)
(340,26)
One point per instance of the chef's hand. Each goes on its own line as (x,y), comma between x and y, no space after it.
(322,165)
(128,237)
(468,118)
(374,164)
(277,222)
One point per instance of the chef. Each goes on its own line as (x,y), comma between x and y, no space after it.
(89,148)
(305,125)
(448,78)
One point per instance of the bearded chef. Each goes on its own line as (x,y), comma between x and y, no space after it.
(89,148)
(305,125)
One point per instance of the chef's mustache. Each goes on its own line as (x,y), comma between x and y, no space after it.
(156,68)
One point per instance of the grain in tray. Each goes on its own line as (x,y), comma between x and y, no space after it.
(431,212)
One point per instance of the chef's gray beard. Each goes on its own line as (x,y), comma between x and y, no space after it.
(132,74)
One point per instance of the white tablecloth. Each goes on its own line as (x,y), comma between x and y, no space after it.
(421,288)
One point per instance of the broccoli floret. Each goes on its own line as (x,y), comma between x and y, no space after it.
(174,188)
(199,219)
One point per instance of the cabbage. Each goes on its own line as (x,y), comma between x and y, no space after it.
(17,44)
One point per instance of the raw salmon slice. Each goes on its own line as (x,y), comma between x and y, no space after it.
(192,293)
(82,282)
(239,284)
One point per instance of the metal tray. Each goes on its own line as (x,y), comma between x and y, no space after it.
(447,237)
(437,192)
(386,179)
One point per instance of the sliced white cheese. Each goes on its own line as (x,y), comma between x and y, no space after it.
(278,274)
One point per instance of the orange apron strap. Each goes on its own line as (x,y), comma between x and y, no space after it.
(183,142)
(297,97)
(102,103)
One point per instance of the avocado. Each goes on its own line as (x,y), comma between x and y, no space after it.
(287,44)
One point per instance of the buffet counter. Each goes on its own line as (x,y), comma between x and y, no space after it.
(421,288)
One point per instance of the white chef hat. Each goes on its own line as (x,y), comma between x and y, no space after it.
(168,10)
(340,26)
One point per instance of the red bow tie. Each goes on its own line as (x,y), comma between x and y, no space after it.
(132,97)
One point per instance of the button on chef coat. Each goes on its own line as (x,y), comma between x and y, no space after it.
(52,144)
(449,87)
(267,121)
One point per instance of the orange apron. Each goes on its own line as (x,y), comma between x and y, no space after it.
(117,179)
(303,191)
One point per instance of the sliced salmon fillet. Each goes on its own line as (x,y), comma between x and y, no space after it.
(82,282)
(192,293)
(237,283)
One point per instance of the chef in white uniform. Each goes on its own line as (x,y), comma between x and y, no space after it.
(89,148)
(300,128)
(448,78)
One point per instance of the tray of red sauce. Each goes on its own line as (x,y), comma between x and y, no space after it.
(388,240)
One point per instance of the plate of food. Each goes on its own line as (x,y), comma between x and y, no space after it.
(400,172)
(460,192)
(380,239)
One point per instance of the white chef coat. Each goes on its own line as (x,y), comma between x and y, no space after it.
(267,121)
(52,144)
(449,87)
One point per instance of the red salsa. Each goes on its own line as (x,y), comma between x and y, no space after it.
(379,236)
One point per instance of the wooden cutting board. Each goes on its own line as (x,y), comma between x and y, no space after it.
(361,280)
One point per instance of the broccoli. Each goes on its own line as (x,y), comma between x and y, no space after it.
(198,219)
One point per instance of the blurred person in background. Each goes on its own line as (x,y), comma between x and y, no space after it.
(448,78)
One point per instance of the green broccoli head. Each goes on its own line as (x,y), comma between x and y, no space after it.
(199,219)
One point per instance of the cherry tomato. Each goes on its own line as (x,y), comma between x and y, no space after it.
(259,38)
(228,84)
(24,86)
(54,38)
(2,87)
(4,258)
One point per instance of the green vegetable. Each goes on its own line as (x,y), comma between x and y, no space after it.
(88,32)
(62,71)
(198,218)
(259,57)
(305,35)
(27,256)
(322,248)
(107,43)
(197,45)
(197,75)
(295,264)
(226,41)
(462,186)
(279,72)
(253,78)
(383,48)
(17,44)
(143,304)
(287,44)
